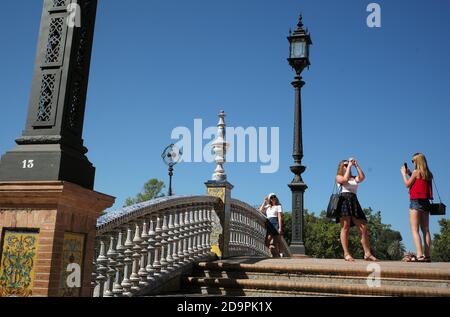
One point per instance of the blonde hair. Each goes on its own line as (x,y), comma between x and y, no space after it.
(340,170)
(421,165)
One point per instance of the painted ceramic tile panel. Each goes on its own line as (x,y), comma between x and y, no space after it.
(17,267)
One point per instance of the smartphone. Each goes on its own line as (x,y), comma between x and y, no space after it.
(406,167)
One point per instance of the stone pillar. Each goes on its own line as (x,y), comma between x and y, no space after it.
(220,235)
(50,227)
(220,187)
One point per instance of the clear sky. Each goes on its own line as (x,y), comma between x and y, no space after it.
(377,94)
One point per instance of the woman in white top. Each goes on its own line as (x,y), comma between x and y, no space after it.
(271,208)
(350,211)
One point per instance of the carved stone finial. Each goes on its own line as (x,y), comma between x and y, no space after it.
(220,147)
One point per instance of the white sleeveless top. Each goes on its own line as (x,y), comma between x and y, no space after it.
(350,187)
(272,211)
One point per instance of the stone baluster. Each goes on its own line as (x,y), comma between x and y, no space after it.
(191,235)
(210,227)
(195,234)
(144,255)
(164,243)
(245,237)
(126,282)
(186,237)
(199,233)
(120,248)
(134,278)
(254,233)
(157,262)
(182,240)
(102,261)
(176,238)
(151,251)
(169,257)
(94,269)
(111,254)
(203,232)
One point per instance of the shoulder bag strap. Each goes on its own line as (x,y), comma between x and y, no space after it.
(435,186)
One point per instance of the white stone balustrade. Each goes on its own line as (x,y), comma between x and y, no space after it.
(247,230)
(138,249)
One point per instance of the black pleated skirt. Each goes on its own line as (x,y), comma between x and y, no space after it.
(349,207)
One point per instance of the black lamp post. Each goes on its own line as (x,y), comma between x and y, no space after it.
(171,156)
(299,43)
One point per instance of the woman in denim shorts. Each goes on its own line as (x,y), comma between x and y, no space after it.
(273,211)
(420,193)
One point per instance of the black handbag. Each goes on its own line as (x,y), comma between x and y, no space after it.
(437,209)
(332,209)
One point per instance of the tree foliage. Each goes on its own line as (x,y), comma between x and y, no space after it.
(322,237)
(440,247)
(152,189)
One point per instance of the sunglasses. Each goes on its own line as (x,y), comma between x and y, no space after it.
(272,197)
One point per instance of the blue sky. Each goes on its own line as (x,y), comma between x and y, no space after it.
(377,94)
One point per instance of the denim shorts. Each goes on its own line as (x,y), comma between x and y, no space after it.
(420,204)
(272,226)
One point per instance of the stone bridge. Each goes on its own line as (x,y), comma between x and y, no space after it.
(147,247)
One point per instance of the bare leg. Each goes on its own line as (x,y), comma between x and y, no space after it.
(345,230)
(414,220)
(362,227)
(424,226)
(268,240)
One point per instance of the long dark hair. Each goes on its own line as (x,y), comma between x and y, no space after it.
(277,201)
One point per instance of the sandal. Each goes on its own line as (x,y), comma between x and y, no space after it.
(349,258)
(409,257)
(423,259)
(370,258)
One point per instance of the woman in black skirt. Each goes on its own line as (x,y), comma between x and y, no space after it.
(350,211)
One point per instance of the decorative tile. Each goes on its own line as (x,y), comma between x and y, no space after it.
(17,266)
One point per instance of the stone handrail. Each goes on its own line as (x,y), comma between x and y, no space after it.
(140,247)
(247,230)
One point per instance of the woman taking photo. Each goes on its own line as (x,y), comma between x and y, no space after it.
(350,212)
(420,191)
(271,208)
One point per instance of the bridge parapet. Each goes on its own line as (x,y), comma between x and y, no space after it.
(140,247)
(247,230)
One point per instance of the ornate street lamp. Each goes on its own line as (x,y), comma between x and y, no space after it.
(171,156)
(299,43)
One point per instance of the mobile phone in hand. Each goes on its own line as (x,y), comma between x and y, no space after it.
(406,169)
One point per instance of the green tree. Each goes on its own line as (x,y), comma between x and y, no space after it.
(152,189)
(287,227)
(396,250)
(440,248)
